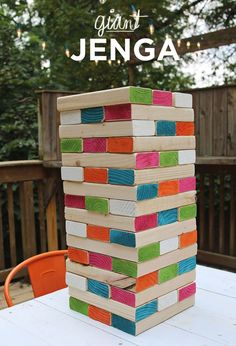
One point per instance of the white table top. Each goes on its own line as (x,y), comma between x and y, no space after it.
(49,321)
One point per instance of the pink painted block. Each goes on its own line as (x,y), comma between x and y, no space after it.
(145,222)
(123,296)
(187,184)
(147,160)
(100,261)
(118,112)
(75,201)
(94,145)
(187,291)
(162,98)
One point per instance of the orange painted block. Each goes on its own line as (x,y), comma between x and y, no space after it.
(184,128)
(95,175)
(99,315)
(167,188)
(120,145)
(187,239)
(77,255)
(98,233)
(146,281)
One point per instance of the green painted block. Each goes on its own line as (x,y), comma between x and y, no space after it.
(97,204)
(140,95)
(124,267)
(168,273)
(169,158)
(71,145)
(148,252)
(187,212)
(79,306)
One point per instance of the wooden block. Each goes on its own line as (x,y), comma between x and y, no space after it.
(78,306)
(186,265)
(148,252)
(123,324)
(167,216)
(167,300)
(71,145)
(147,160)
(186,157)
(92,115)
(96,175)
(123,296)
(120,145)
(124,267)
(167,273)
(94,145)
(187,212)
(187,291)
(162,98)
(146,310)
(169,158)
(76,228)
(154,112)
(165,128)
(97,205)
(147,191)
(145,222)
(105,97)
(76,281)
(99,288)
(122,238)
(121,176)
(121,207)
(168,188)
(187,239)
(80,256)
(184,128)
(146,281)
(100,261)
(134,128)
(72,173)
(118,112)
(182,100)
(169,245)
(98,233)
(70,117)
(99,315)
(74,201)
(187,184)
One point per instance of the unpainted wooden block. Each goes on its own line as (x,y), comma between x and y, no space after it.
(76,228)
(167,300)
(186,157)
(182,100)
(77,281)
(70,117)
(72,173)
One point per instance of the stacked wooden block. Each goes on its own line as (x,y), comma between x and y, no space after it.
(128,168)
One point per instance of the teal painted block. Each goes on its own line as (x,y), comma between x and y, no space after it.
(146,310)
(187,265)
(166,217)
(99,288)
(92,115)
(169,158)
(147,191)
(166,128)
(121,176)
(140,95)
(123,324)
(187,212)
(71,145)
(122,238)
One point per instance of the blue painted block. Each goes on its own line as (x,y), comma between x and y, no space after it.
(147,191)
(167,216)
(165,128)
(187,265)
(122,238)
(121,176)
(98,288)
(92,115)
(146,310)
(123,324)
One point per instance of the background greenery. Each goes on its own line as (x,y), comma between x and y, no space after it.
(61,24)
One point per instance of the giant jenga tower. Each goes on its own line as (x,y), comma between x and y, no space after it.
(128,168)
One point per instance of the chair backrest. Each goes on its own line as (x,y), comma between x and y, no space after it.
(46,272)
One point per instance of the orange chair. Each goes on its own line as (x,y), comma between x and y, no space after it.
(46,272)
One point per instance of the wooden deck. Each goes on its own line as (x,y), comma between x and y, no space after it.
(20,292)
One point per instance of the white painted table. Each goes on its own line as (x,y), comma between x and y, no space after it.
(49,321)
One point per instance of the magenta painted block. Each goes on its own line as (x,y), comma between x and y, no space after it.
(162,98)
(187,184)
(147,160)
(123,296)
(118,112)
(94,145)
(187,291)
(100,261)
(145,222)
(75,201)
